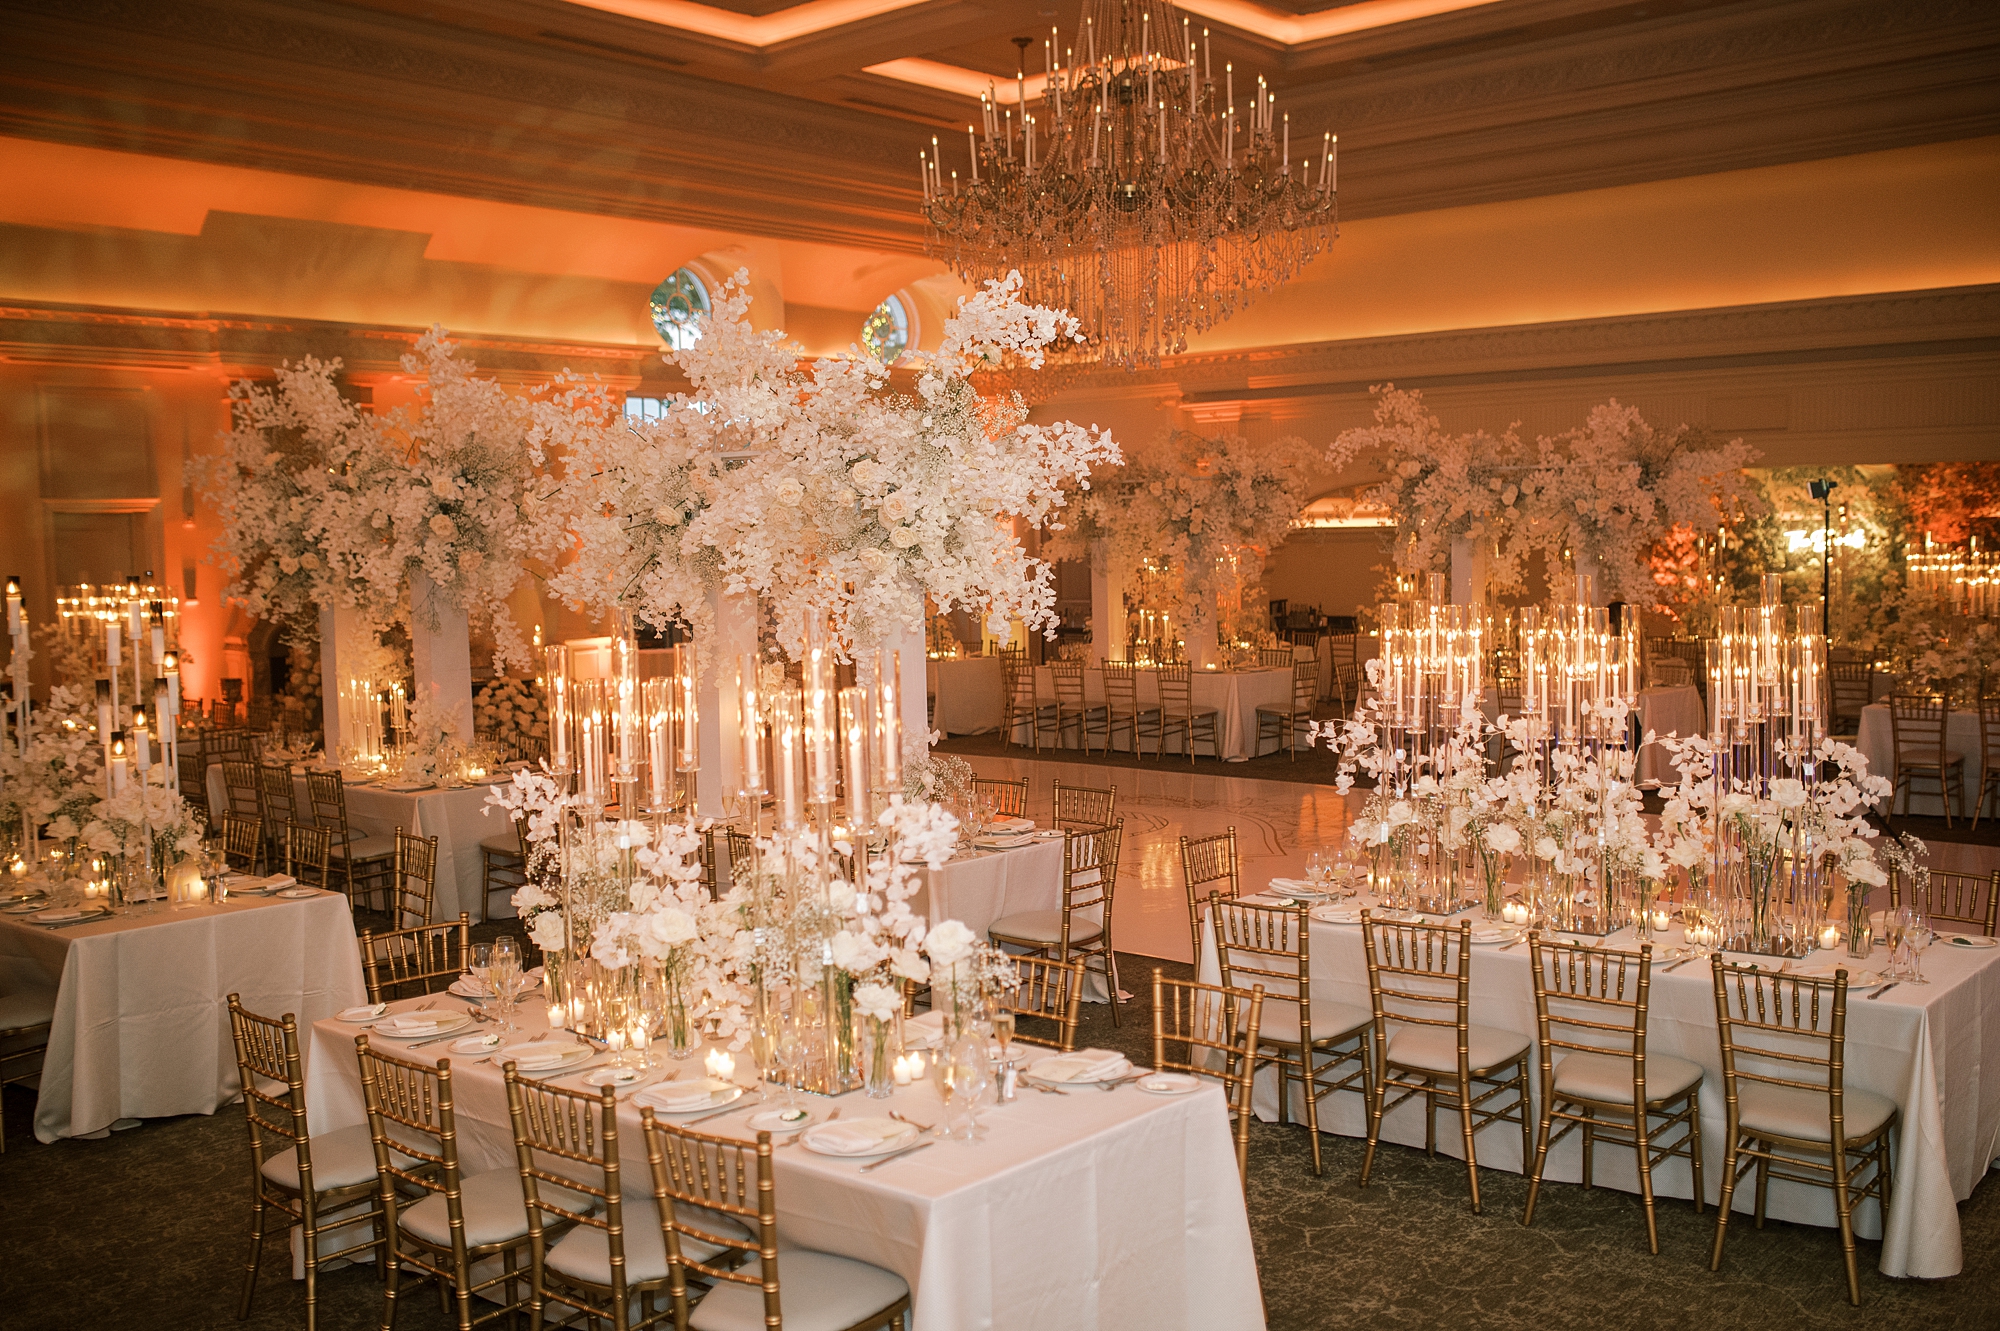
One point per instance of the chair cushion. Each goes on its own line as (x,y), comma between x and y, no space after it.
(1788,1111)
(1608,1077)
(1042,926)
(366,848)
(585,1252)
(1279,1021)
(28,1007)
(1435,1048)
(504,843)
(493,1207)
(817,1291)
(340,1160)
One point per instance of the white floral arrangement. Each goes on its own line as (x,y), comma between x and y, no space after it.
(435,746)
(57,782)
(144,818)
(1606,491)
(513,713)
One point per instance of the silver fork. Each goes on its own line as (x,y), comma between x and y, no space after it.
(904,1118)
(798,1137)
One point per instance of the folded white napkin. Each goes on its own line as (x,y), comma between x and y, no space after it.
(270,884)
(923,1030)
(856,1136)
(366,1012)
(411,1023)
(1011,824)
(538,1054)
(1297,885)
(62,913)
(680,1097)
(1491,933)
(1083,1065)
(471,986)
(1337,914)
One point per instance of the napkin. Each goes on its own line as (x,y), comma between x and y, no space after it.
(271,884)
(471,986)
(366,1012)
(924,1030)
(1337,914)
(677,1097)
(538,1054)
(411,1023)
(612,1076)
(1083,1065)
(1011,824)
(1491,933)
(1297,885)
(856,1136)
(65,913)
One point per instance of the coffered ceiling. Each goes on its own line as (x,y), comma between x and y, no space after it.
(803,120)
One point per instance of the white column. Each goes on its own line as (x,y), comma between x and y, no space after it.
(906,638)
(339,631)
(1201,628)
(1107,604)
(734,639)
(1468,571)
(440,650)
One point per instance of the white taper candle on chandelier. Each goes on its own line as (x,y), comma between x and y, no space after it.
(750,719)
(889,722)
(786,740)
(822,769)
(854,732)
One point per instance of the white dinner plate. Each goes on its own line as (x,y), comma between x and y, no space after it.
(1857,979)
(28,907)
(775,1122)
(296,893)
(367,1014)
(483,1043)
(1337,914)
(573,1054)
(1971,940)
(1122,1068)
(718,1097)
(887,1146)
(70,914)
(1499,934)
(613,1076)
(447,1022)
(1168,1083)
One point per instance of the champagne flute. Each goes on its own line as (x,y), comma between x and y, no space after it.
(1003,1031)
(1895,926)
(1917,937)
(504,973)
(785,1051)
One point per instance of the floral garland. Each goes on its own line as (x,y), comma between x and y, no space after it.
(1607,490)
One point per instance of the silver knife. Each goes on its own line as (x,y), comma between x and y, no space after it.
(893,1155)
(1885,989)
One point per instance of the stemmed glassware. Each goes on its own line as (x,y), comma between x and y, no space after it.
(503,974)
(1916,937)
(781,1049)
(963,1078)
(1896,925)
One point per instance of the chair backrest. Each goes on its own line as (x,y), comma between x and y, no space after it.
(1782,1030)
(1671,672)
(1592,1000)
(1206,861)
(1275,658)
(1068,677)
(1090,873)
(416,878)
(242,841)
(554,1127)
(307,853)
(1009,799)
(1176,690)
(1419,974)
(326,794)
(274,785)
(742,852)
(1266,946)
(693,1173)
(1052,990)
(194,777)
(1020,682)
(410,1104)
(1206,1020)
(420,960)
(1961,898)
(240,779)
(274,1091)
(1121,687)
(1989,735)
(1083,806)
(1305,685)
(1916,721)
(1342,647)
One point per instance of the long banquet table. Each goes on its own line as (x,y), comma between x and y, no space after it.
(1085,1210)
(456,816)
(1234,695)
(142,999)
(1933,1049)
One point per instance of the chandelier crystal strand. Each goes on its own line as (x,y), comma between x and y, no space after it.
(1138,195)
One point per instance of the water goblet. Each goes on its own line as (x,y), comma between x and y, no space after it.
(1918,936)
(1896,927)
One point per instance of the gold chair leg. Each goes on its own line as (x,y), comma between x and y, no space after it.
(1843,1206)
(256,1246)
(1312,1107)
(1729,1176)
(1694,1144)
(1763,1184)
(1541,1159)
(1465,1125)
(1641,1143)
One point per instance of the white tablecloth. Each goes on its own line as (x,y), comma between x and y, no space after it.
(1877,743)
(978,888)
(1673,710)
(1234,695)
(969,693)
(1934,1049)
(457,818)
(142,1000)
(1078,1211)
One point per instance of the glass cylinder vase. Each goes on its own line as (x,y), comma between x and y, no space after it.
(878,1046)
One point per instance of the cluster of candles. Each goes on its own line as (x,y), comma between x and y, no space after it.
(1968,578)
(129,730)
(1150,637)
(1433,662)
(18,700)
(1766,663)
(363,705)
(907,1068)
(825,741)
(629,741)
(1572,662)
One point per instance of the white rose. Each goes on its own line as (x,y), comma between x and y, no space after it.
(443,526)
(667,515)
(1869,872)
(846,498)
(309,560)
(790,492)
(949,942)
(868,473)
(854,953)
(671,926)
(547,931)
(903,538)
(895,507)
(288,564)
(1502,839)
(876,1001)
(908,963)
(873,558)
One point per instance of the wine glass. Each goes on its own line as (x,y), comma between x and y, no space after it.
(1003,1030)
(963,1077)
(785,1051)
(1918,936)
(504,974)
(480,964)
(1896,925)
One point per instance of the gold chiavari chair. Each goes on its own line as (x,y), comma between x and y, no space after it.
(1592,1003)
(708,1191)
(1344,654)
(415,879)
(1024,704)
(1269,947)
(1791,1115)
(402,963)
(1420,986)
(277,807)
(742,852)
(1007,799)
(1275,658)
(1954,898)
(1206,861)
(1178,715)
(242,842)
(1287,724)
(1211,1020)
(370,858)
(503,863)
(1851,685)
(1072,708)
(1121,704)
(306,855)
(612,1261)
(194,781)
(1051,991)
(1082,928)
(1917,727)
(1989,755)
(1082,806)
(246,799)
(440,1221)
(309,1180)
(26,1015)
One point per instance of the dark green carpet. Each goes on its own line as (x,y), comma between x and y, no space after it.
(145,1229)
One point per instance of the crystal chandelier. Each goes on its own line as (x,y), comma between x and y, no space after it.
(1136,195)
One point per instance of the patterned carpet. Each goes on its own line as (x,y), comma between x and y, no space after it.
(147,1229)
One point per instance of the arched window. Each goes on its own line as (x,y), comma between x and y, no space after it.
(675,304)
(886,333)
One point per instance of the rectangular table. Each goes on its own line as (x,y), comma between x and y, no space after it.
(1086,1210)
(1234,695)
(969,692)
(978,887)
(456,816)
(142,999)
(1934,1050)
